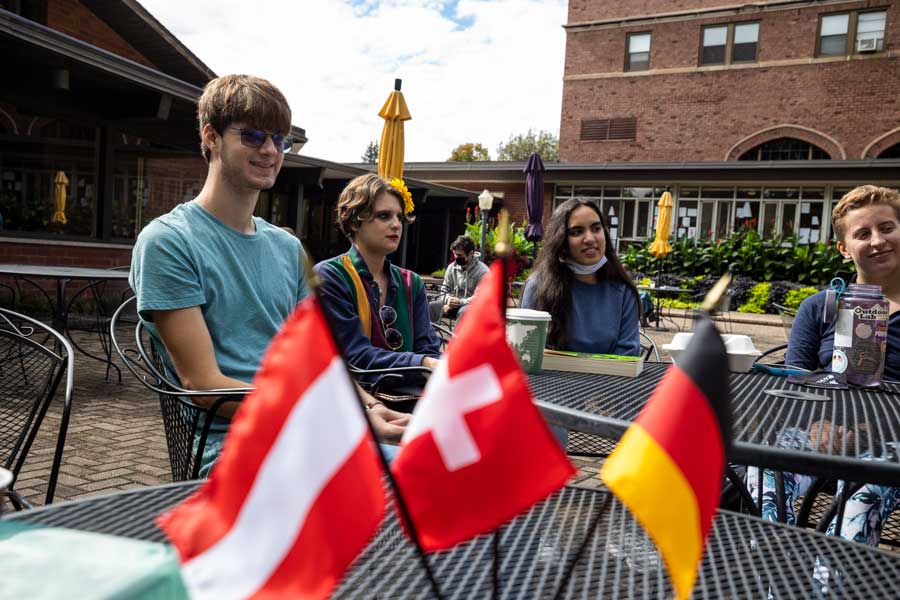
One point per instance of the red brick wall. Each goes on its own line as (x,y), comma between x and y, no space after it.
(701,114)
(73,18)
(601,10)
(67,256)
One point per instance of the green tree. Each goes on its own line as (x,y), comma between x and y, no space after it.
(371,154)
(520,147)
(468,153)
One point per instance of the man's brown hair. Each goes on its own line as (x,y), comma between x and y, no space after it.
(864,195)
(242,99)
(358,199)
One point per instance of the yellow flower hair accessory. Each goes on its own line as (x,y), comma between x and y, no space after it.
(408,205)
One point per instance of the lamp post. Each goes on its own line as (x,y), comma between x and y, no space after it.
(485,201)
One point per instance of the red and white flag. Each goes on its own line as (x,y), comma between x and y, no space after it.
(297,492)
(477,451)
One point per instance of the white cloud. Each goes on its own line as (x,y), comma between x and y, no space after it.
(472,70)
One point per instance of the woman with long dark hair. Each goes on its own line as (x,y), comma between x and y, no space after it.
(579,280)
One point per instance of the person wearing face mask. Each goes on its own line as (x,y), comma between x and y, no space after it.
(579,280)
(460,280)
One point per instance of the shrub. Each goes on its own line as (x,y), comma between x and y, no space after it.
(757,299)
(439,273)
(795,297)
(743,253)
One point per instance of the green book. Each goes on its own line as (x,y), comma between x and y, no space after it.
(583,362)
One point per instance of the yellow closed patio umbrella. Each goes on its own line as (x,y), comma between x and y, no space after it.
(660,246)
(390,152)
(60,191)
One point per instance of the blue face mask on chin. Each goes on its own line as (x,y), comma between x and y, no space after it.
(580,269)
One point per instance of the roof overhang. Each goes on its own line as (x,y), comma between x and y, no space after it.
(825,171)
(334,170)
(149,37)
(103,72)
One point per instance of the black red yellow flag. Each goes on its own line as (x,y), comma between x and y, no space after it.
(668,467)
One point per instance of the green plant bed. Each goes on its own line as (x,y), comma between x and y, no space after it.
(743,253)
(757,300)
(794,298)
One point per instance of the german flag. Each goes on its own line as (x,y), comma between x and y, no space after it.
(668,467)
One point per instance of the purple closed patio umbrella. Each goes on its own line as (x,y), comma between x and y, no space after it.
(534,197)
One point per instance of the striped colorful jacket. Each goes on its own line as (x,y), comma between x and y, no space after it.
(351,298)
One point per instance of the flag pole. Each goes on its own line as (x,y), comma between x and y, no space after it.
(312,279)
(712,299)
(503,252)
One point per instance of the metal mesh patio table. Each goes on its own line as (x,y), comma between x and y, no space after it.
(764,407)
(745,557)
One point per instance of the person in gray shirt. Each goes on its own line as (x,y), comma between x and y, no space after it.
(460,280)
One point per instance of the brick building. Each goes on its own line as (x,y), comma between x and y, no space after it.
(705,80)
(754,115)
(100,91)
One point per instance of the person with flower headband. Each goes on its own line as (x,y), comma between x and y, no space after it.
(379,311)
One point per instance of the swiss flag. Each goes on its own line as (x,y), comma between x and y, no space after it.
(477,451)
(297,491)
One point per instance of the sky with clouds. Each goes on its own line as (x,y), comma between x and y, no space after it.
(472,70)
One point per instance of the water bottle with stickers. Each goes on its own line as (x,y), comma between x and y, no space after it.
(860,334)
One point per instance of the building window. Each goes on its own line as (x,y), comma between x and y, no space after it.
(870,31)
(608,130)
(715,42)
(833,35)
(785,149)
(726,44)
(849,33)
(746,39)
(638,58)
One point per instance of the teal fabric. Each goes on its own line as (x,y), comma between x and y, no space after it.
(242,283)
(47,563)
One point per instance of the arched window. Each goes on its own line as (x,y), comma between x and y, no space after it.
(785,149)
(891,151)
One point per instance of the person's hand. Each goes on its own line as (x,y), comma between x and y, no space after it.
(453,302)
(389,424)
(431,363)
(828,438)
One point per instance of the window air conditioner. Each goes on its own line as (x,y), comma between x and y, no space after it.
(868,44)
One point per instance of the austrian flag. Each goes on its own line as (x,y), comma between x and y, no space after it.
(477,451)
(297,492)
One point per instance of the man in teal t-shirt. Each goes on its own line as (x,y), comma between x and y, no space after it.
(213,282)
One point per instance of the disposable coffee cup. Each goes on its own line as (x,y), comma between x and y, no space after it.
(5,479)
(526,333)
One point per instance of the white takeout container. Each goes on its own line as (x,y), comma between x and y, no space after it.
(741,352)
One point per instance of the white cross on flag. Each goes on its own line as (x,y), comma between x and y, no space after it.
(477,451)
(297,492)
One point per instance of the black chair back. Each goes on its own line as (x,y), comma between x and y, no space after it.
(186,423)
(35,360)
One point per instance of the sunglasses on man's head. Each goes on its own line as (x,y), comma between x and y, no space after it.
(254,138)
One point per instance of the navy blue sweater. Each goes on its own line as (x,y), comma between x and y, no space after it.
(812,340)
(604,317)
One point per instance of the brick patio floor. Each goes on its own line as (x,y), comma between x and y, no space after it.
(116,441)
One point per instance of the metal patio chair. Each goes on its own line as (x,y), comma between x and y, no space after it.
(36,362)
(787,318)
(95,319)
(183,419)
